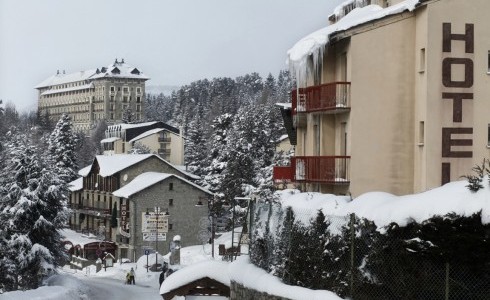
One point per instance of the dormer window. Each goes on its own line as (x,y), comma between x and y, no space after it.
(135,71)
(116,71)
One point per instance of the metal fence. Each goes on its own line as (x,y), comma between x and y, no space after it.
(351,257)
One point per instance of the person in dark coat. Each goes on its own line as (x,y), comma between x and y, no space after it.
(162,275)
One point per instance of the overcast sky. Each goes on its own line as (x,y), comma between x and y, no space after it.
(173,42)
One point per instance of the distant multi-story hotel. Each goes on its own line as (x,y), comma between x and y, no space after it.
(94,95)
(392,96)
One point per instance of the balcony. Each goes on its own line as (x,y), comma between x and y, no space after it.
(90,210)
(283,174)
(315,169)
(164,140)
(164,152)
(328,98)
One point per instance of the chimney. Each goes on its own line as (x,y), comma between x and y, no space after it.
(116,61)
(122,60)
(64,72)
(58,72)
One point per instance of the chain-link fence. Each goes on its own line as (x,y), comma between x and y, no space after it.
(357,260)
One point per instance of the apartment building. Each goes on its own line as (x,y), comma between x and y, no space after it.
(162,139)
(391,96)
(115,200)
(93,95)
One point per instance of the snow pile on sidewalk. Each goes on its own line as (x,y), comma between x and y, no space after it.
(384,208)
(60,287)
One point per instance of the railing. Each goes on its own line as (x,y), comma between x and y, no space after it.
(323,169)
(164,140)
(90,210)
(283,174)
(330,96)
(165,152)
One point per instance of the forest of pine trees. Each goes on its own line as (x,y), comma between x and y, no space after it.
(230,127)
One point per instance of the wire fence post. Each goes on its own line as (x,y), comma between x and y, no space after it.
(447,281)
(352,245)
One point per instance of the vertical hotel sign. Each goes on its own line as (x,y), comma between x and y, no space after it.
(124,215)
(465,93)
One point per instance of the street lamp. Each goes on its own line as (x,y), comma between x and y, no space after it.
(157,211)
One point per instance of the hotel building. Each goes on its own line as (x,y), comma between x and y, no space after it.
(391,96)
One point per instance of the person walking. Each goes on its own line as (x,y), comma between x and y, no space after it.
(131,276)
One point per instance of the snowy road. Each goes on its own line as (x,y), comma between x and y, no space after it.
(108,289)
(89,288)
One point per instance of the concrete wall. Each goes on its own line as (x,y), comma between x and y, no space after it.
(184,215)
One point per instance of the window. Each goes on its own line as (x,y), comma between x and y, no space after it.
(422,133)
(488,61)
(112,98)
(488,140)
(170,226)
(138,99)
(138,90)
(171,186)
(118,88)
(170,202)
(112,89)
(422,60)
(125,98)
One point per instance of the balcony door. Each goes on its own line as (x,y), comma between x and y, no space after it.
(342,170)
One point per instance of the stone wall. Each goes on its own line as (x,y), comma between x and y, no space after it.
(240,292)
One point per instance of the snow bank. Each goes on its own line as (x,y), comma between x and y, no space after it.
(245,273)
(384,208)
(77,238)
(314,43)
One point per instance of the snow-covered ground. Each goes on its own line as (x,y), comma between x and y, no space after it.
(384,208)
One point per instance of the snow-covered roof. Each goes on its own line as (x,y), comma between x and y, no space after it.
(66,78)
(183,170)
(282,138)
(84,171)
(314,43)
(146,180)
(284,105)
(76,185)
(111,164)
(125,71)
(146,133)
(77,238)
(110,140)
(69,89)
(124,126)
(384,208)
(217,270)
(247,274)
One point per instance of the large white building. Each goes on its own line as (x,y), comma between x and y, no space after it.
(94,95)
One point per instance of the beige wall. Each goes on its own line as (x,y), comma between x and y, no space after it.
(176,146)
(381,118)
(475,112)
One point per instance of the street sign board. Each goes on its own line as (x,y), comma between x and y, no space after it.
(152,236)
(147,252)
(150,225)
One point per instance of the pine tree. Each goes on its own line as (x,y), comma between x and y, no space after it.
(32,211)
(139,148)
(62,145)
(128,116)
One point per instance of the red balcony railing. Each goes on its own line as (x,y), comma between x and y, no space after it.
(283,174)
(325,97)
(323,169)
